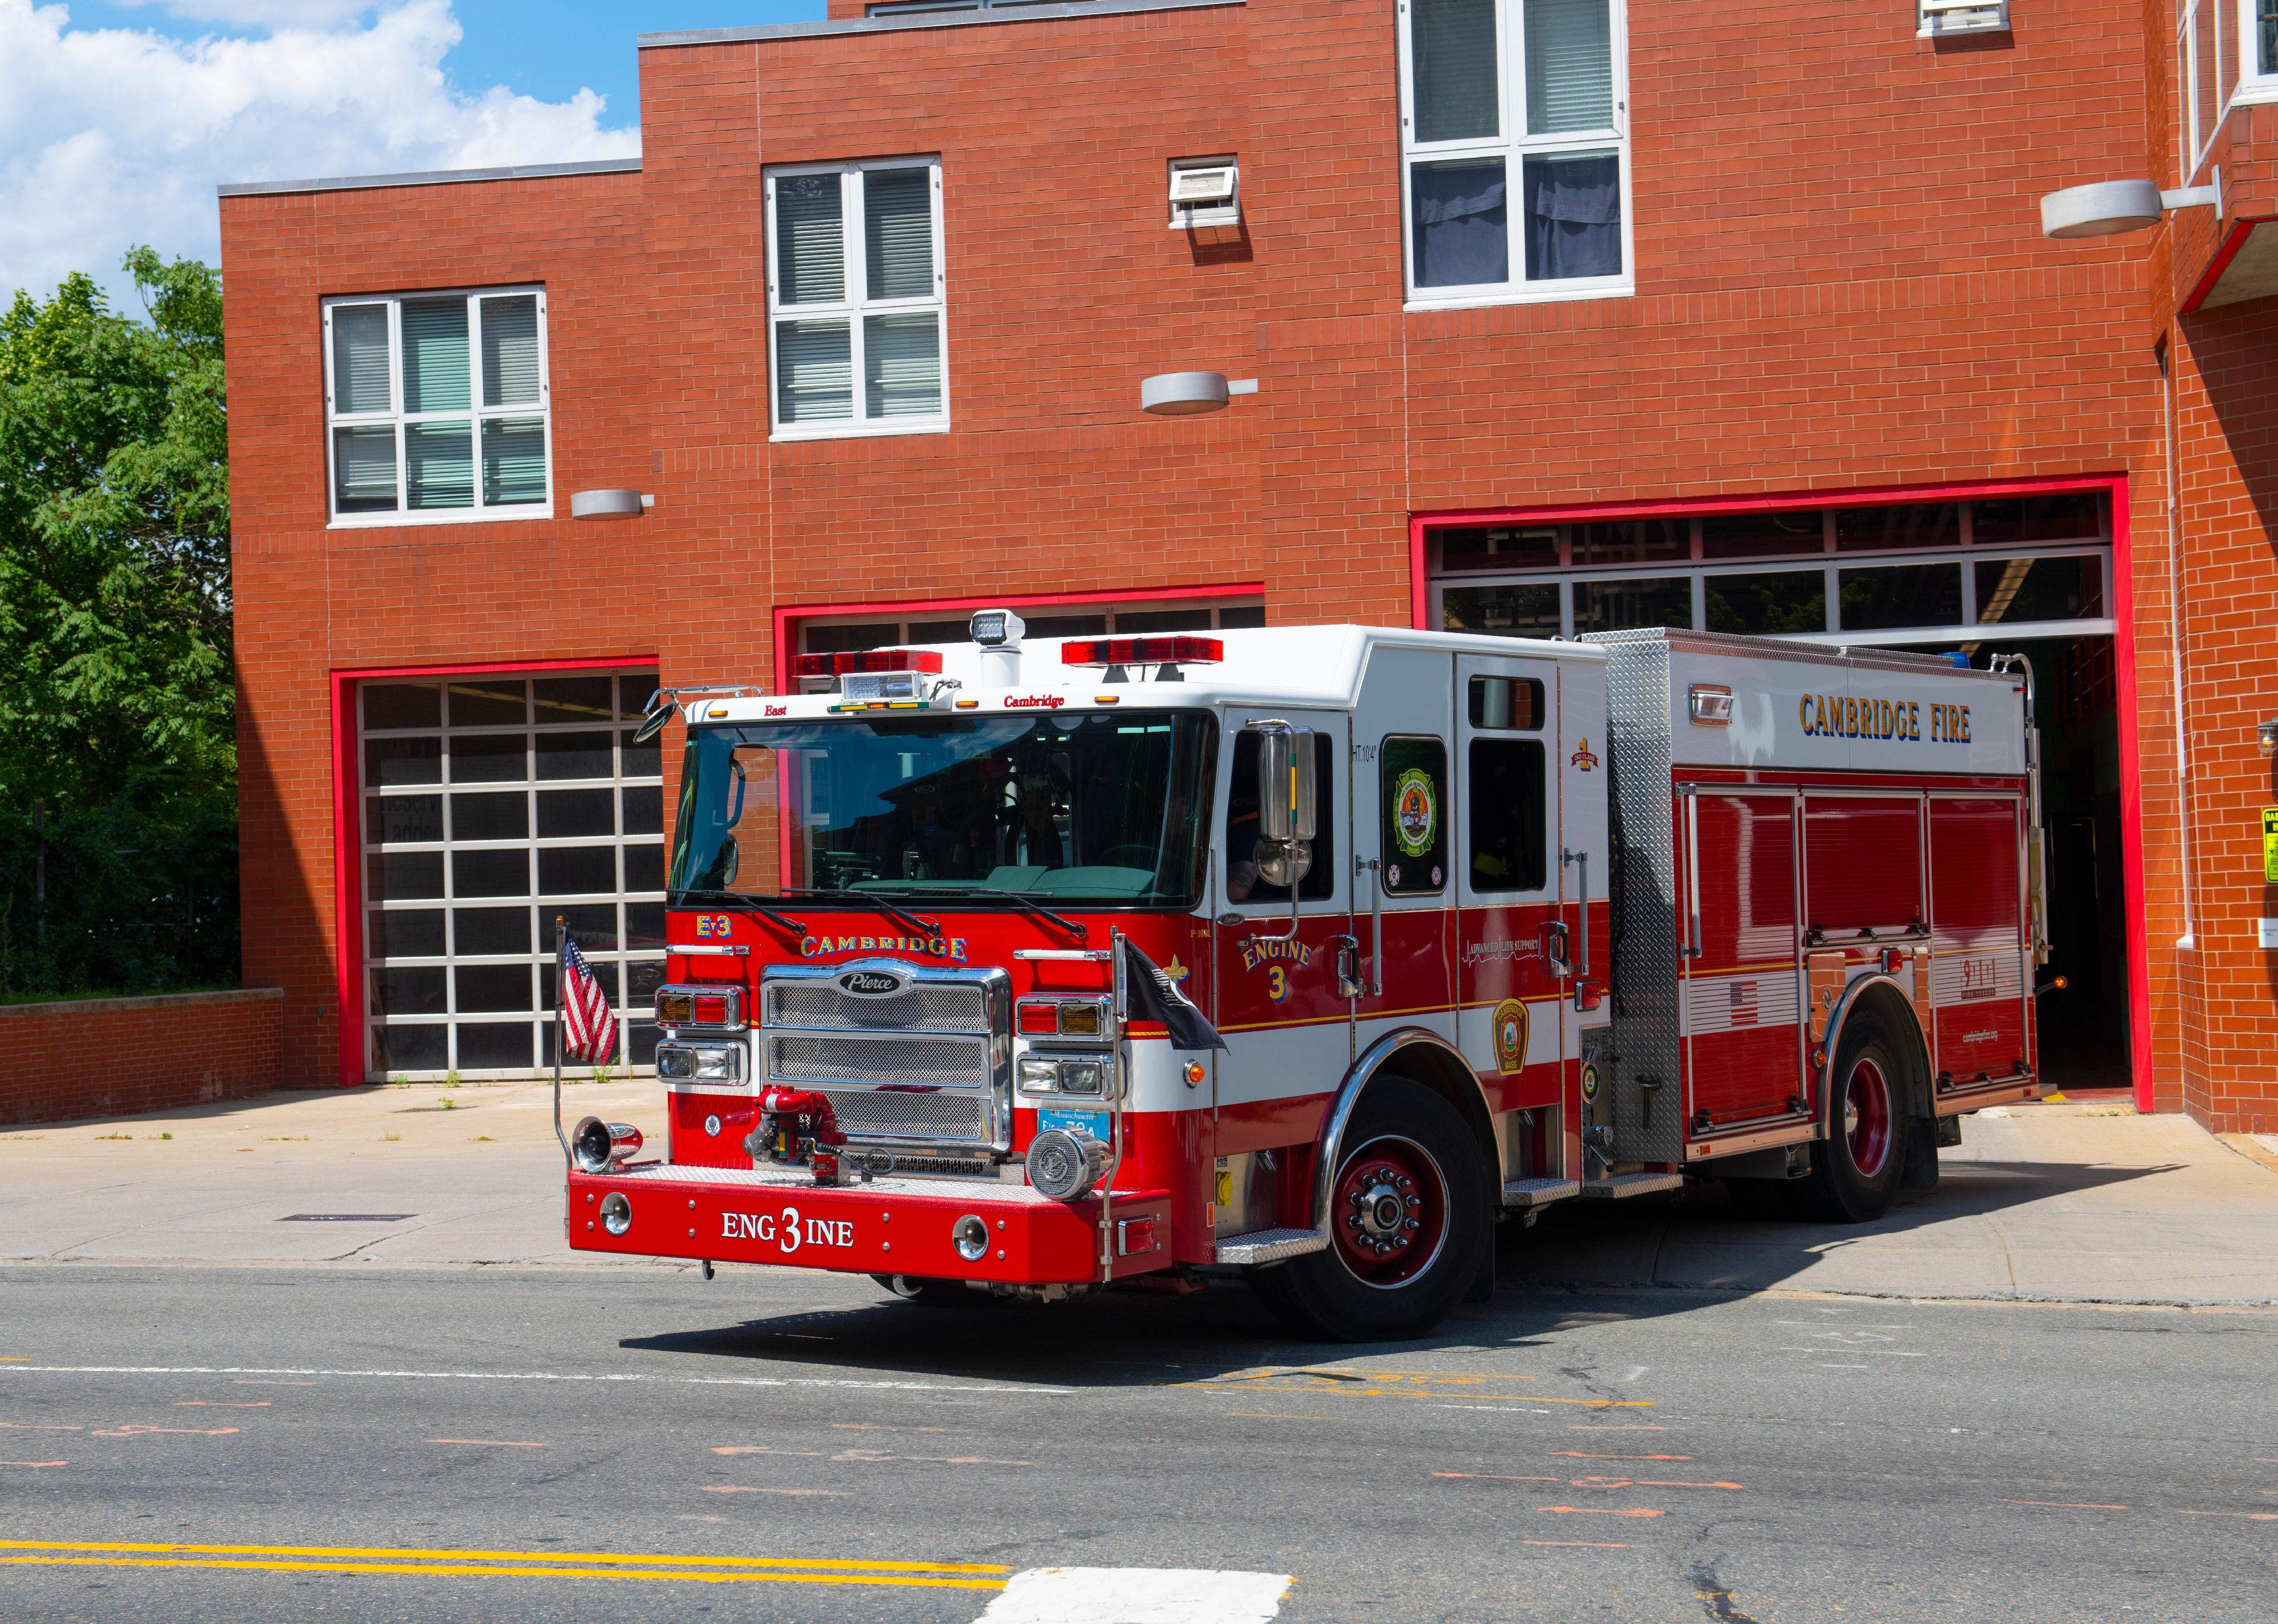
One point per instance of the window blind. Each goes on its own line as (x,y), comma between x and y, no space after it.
(510,351)
(810,240)
(360,361)
(814,371)
(514,460)
(898,211)
(901,364)
(1453,63)
(1569,66)
(364,469)
(435,361)
(438,465)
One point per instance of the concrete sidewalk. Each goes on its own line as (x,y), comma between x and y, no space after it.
(2072,1203)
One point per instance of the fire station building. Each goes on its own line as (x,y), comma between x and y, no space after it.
(1530,318)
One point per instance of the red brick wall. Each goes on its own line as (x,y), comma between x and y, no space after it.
(118,1057)
(1840,280)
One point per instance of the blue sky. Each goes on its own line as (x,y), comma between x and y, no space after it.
(117,119)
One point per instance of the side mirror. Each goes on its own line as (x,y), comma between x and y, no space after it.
(662,709)
(1285,803)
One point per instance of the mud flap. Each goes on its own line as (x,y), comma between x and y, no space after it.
(1481,1289)
(1920,1171)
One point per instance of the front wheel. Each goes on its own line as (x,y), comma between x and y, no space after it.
(1855,1169)
(1408,1216)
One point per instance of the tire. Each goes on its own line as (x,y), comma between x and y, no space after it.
(1855,1169)
(932,1293)
(1380,1279)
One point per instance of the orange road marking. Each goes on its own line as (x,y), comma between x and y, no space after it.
(15,1359)
(490,1443)
(1577,1455)
(898,1580)
(34,1463)
(1586,1545)
(761,1449)
(423,1553)
(835,1494)
(1495,1477)
(1598,1510)
(2065,1505)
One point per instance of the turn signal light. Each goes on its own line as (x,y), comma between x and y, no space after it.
(1062,1018)
(859,661)
(1143,651)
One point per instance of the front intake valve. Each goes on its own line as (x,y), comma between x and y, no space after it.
(797,1129)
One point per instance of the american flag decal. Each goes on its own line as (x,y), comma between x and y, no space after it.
(1744,1011)
(589,1031)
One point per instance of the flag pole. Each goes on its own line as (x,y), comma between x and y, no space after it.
(561,935)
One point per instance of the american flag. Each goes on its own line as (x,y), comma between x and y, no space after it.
(589,1031)
(1744,1011)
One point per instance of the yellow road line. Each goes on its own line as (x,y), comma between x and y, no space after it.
(900,1581)
(418,1553)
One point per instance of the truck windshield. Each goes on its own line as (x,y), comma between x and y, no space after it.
(1064,807)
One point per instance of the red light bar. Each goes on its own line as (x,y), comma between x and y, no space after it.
(865,659)
(1143,651)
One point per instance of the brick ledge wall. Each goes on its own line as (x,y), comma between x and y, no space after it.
(120,1056)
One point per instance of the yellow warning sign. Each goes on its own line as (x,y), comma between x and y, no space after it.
(2270,845)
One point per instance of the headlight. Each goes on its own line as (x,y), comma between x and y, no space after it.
(1065,1165)
(699,1061)
(1086,1074)
(600,1146)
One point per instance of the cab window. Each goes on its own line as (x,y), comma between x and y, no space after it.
(1243,884)
(1415,802)
(1507,853)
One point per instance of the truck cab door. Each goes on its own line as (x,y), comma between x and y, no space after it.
(1513,1022)
(1403,791)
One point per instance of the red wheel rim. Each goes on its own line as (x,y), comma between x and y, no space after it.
(1867,1116)
(1390,1211)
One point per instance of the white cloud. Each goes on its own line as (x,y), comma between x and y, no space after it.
(118,136)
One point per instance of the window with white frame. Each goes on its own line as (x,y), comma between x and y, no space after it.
(1515,132)
(855,292)
(437,407)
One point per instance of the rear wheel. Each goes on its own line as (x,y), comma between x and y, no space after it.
(1408,1214)
(1854,1169)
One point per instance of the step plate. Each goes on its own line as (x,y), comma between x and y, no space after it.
(1621,1184)
(1539,1192)
(1269,1245)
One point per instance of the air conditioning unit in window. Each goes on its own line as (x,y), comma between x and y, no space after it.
(1944,19)
(1205,192)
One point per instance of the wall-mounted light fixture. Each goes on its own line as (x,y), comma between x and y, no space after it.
(608,504)
(2266,736)
(2106,207)
(1189,394)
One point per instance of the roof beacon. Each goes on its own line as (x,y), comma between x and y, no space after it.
(1165,654)
(997,632)
(868,675)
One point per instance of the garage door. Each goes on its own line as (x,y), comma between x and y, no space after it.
(489,805)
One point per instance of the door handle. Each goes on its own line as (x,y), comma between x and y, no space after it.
(1345,957)
(1554,948)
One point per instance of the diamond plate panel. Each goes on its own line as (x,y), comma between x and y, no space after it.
(1645,1025)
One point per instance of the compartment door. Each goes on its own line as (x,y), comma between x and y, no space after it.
(1979,945)
(1743,999)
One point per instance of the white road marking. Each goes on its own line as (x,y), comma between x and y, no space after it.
(532,1376)
(1137,1596)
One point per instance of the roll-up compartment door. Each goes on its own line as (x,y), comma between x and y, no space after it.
(1862,866)
(1978,946)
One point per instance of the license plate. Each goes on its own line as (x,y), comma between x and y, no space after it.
(1094,1122)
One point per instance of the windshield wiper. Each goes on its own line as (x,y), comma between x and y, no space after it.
(741,899)
(1021,900)
(878,900)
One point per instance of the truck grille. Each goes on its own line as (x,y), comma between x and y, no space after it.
(931,1065)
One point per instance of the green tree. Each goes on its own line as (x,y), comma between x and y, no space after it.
(118,759)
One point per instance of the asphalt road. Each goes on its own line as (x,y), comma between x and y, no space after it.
(469,1443)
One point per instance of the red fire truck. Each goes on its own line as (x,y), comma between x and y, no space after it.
(1032,967)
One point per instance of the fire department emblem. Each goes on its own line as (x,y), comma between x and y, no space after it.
(1582,759)
(1510,1035)
(1415,812)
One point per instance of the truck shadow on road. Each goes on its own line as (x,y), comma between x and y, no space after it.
(1581,1264)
